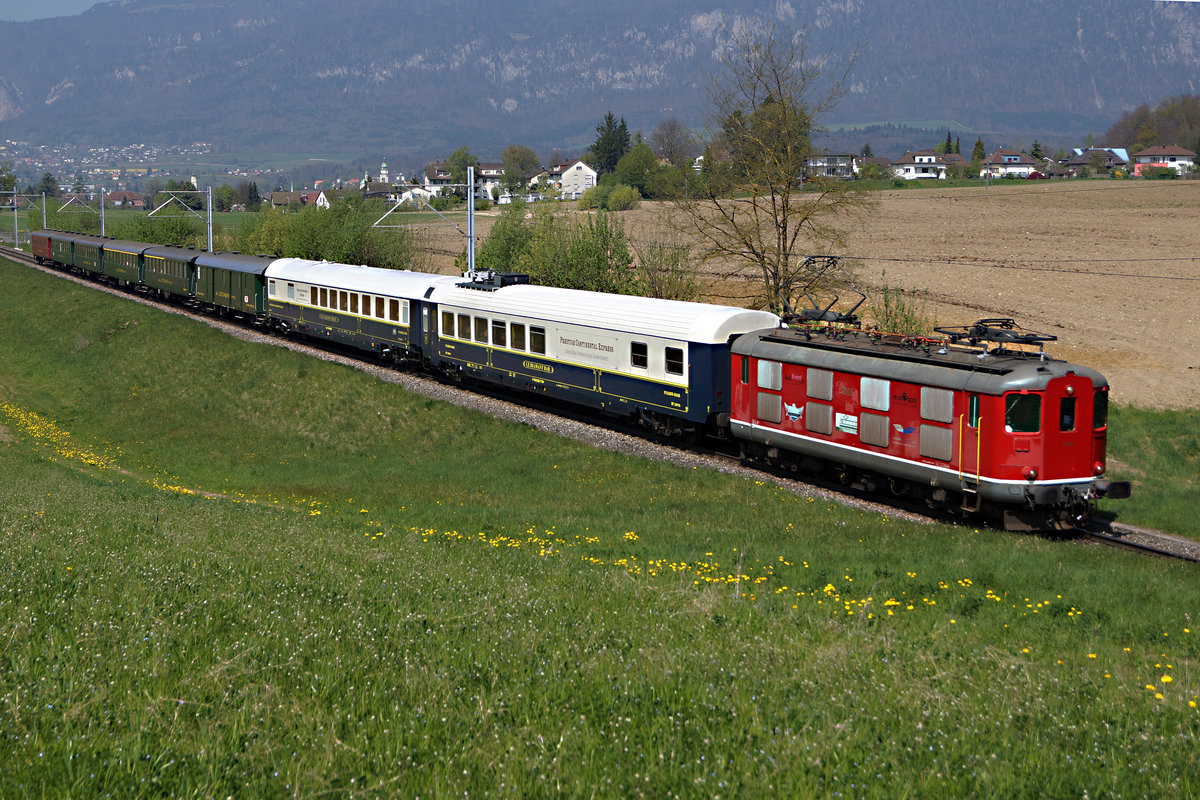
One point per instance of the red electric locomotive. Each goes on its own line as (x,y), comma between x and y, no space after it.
(975,421)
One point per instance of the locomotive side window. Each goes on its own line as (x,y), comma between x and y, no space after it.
(674,361)
(1100,410)
(517,331)
(1066,414)
(937,405)
(499,331)
(770,375)
(639,355)
(537,340)
(875,393)
(874,429)
(745,369)
(1022,413)
(464,327)
(820,384)
(818,418)
(770,407)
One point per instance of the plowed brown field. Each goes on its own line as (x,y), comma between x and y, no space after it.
(1112,268)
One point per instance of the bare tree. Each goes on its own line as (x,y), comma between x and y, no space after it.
(752,209)
(673,141)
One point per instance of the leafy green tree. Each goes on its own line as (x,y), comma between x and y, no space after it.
(458,161)
(637,168)
(520,164)
(48,185)
(978,152)
(223,197)
(508,239)
(8,179)
(747,209)
(591,254)
(612,142)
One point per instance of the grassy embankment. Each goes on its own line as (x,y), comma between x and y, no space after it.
(227,569)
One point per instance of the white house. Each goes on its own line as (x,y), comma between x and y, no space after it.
(574,179)
(1164,155)
(918,164)
(831,165)
(1008,162)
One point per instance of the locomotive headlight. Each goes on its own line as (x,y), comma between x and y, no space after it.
(1070,390)
(1029,473)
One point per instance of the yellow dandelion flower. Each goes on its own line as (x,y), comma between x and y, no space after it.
(1166,679)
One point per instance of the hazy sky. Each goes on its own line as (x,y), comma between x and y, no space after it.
(37,9)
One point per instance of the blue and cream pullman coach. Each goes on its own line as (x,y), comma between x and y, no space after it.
(639,356)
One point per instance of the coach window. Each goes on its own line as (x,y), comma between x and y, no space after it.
(1066,414)
(499,331)
(447,323)
(674,361)
(379,308)
(537,340)
(271,286)
(481,329)
(366,305)
(394,308)
(1022,413)
(1100,410)
(345,298)
(464,326)
(291,291)
(354,302)
(639,355)
(517,331)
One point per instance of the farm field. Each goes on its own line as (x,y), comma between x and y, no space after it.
(246,572)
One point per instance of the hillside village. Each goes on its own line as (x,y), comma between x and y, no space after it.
(95,175)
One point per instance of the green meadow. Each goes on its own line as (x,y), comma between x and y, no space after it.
(229,570)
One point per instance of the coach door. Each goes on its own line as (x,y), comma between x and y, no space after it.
(970,454)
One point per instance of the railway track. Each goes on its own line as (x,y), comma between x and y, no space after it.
(581,425)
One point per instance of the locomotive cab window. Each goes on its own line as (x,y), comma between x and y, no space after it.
(1022,413)
(1100,410)
(973,411)
(639,355)
(674,361)
(1066,414)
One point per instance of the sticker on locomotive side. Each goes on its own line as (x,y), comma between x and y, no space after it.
(846,423)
